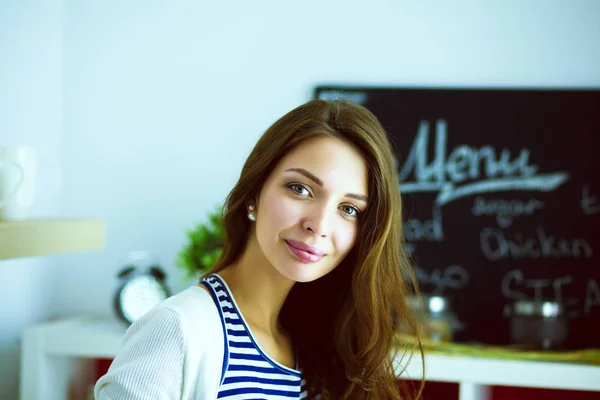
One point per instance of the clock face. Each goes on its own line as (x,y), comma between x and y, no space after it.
(140,295)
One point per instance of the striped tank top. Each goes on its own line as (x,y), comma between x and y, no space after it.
(248,372)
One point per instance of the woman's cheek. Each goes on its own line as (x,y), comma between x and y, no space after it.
(280,209)
(349,238)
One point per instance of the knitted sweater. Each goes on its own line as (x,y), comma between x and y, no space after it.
(175,351)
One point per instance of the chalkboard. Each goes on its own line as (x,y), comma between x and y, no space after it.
(501,195)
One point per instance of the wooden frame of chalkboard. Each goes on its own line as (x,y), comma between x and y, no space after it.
(501,198)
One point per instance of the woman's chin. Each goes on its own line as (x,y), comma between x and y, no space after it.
(303,273)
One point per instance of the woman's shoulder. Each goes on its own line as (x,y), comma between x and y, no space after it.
(192,303)
(191,313)
(194,309)
(187,360)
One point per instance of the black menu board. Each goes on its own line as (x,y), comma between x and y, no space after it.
(501,197)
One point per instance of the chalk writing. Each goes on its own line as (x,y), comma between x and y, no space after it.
(430,230)
(358,97)
(495,245)
(592,297)
(466,163)
(514,276)
(558,283)
(515,286)
(409,249)
(589,204)
(538,285)
(505,210)
(453,276)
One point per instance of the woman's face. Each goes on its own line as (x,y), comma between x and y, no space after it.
(308,209)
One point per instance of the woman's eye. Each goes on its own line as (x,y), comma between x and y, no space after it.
(350,210)
(299,189)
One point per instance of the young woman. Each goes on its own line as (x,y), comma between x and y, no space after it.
(311,286)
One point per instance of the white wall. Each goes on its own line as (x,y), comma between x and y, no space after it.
(30,114)
(164,99)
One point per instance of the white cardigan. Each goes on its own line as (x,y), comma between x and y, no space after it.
(175,351)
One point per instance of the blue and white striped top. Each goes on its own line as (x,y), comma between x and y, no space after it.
(248,372)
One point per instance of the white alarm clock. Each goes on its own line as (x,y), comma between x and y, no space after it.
(140,290)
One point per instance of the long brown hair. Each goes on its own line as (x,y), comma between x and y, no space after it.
(343,324)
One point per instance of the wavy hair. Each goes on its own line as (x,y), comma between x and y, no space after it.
(342,324)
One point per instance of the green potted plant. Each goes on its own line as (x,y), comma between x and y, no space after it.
(204,245)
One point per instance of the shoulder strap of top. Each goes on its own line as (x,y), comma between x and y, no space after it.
(215,298)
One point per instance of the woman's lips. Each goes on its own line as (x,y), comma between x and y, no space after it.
(304,252)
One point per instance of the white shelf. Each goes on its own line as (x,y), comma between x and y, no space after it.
(102,338)
(53,353)
(84,337)
(496,372)
(39,237)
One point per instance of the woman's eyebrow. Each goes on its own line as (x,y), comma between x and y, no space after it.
(360,197)
(307,174)
(319,182)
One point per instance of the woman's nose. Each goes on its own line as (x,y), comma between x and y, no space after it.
(318,221)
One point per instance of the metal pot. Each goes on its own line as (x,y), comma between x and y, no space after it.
(539,325)
(436,316)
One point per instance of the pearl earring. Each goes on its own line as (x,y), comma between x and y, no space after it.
(251,216)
